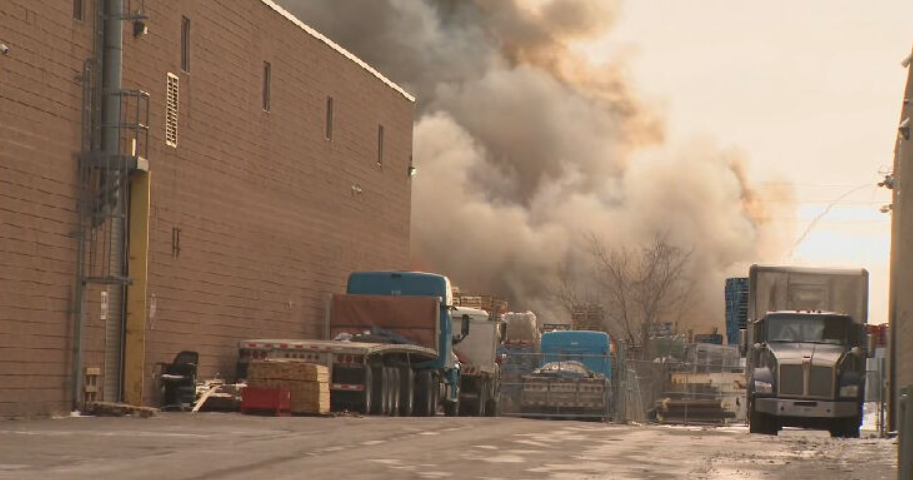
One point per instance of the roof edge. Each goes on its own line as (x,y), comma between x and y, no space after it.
(319,36)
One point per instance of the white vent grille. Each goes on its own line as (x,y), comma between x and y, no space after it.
(172,101)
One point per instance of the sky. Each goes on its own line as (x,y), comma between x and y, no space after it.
(809,92)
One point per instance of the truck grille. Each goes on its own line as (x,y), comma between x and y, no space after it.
(791,380)
(821,382)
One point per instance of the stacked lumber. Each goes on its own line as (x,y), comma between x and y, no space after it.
(691,411)
(309,383)
(109,409)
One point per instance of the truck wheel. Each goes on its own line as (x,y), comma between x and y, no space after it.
(491,409)
(367,401)
(452,409)
(425,395)
(381,394)
(393,376)
(407,392)
(482,399)
(852,427)
(435,396)
(845,428)
(759,422)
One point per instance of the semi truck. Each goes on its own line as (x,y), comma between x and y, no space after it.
(478,356)
(389,345)
(805,348)
(574,378)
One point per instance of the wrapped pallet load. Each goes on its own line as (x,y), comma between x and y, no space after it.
(521,328)
(307,382)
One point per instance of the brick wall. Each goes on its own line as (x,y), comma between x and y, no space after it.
(264,202)
(40,111)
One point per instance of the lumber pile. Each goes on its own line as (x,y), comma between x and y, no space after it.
(308,383)
(109,409)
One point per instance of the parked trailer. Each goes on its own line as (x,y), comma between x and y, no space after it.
(389,345)
(365,377)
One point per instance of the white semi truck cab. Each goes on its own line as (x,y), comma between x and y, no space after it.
(478,355)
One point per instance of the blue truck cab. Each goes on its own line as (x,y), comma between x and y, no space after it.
(422,285)
(592,349)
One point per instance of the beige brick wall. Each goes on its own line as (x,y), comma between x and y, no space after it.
(269,223)
(40,105)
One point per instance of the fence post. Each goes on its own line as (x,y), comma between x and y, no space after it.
(905,445)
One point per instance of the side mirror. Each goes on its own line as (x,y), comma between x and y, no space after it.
(464,329)
(856,351)
(743,341)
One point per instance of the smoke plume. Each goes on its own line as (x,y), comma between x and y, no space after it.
(524,147)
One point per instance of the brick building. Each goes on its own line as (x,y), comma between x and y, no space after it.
(267,163)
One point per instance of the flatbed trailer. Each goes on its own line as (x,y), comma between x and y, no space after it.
(370,378)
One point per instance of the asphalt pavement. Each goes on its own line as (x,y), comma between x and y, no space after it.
(232,446)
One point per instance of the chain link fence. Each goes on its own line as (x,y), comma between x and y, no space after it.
(705,386)
(575,386)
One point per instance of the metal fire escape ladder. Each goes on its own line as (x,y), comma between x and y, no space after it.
(113,149)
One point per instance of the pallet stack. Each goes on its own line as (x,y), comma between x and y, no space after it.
(308,383)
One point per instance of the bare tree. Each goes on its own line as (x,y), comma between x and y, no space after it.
(581,304)
(565,289)
(638,288)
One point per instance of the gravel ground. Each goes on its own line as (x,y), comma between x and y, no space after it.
(231,446)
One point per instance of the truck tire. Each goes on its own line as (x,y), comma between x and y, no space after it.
(381,394)
(393,376)
(482,401)
(845,427)
(425,394)
(407,392)
(761,423)
(435,395)
(491,410)
(852,427)
(452,409)
(367,400)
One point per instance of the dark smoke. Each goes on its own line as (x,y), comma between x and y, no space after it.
(523,146)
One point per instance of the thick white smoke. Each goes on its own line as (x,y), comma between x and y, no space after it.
(524,147)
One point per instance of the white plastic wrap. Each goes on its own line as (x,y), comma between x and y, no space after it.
(521,327)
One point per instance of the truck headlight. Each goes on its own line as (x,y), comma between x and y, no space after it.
(849,391)
(761,386)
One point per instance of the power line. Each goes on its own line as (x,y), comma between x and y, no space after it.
(820,216)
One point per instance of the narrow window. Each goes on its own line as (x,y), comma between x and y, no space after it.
(329,125)
(175,242)
(79,11)
(185,44)
(380,145)
(266,81)
(172,102)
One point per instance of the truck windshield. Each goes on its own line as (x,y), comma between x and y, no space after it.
(809,329)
